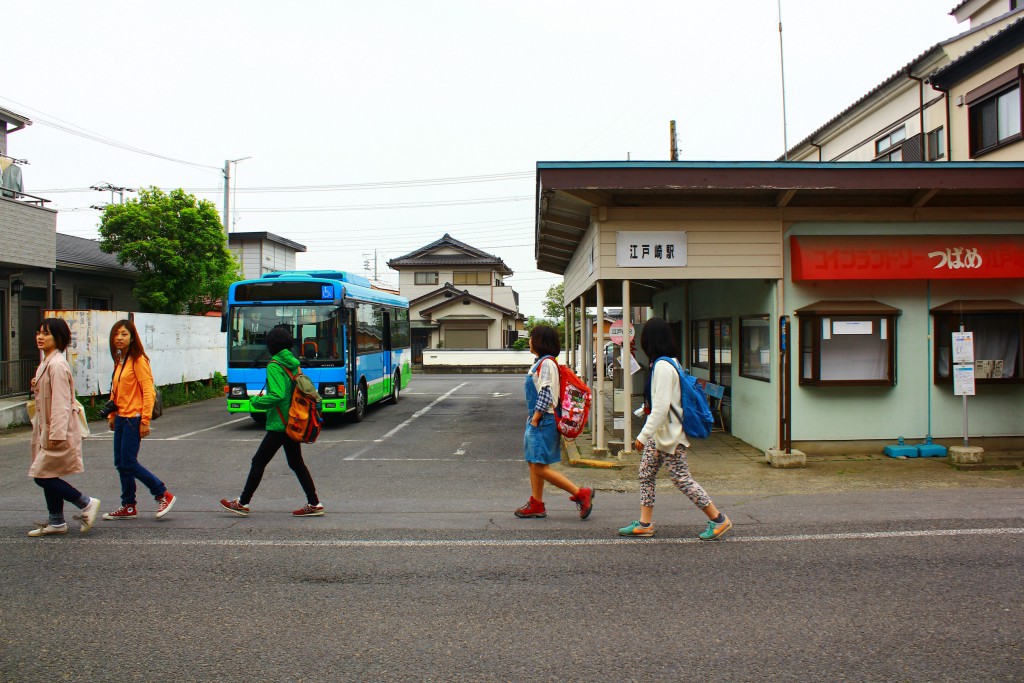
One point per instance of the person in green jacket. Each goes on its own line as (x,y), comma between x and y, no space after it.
(276,402)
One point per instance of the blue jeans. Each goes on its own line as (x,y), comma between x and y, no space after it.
(126,460)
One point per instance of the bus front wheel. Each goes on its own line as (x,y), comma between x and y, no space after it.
(359,412)
(396,387)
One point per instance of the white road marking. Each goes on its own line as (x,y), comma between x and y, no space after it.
(461,450)
(414,416)
(527,543)
(200,431)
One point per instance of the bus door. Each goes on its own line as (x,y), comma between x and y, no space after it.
(388,375)
(351,359)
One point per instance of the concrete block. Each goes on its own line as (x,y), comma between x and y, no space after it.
(966,455)
(783,460)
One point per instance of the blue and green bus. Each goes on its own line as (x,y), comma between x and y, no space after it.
(352,340)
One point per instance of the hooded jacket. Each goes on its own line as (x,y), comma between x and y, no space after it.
(279,390)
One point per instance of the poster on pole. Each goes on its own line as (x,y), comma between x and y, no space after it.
(963,379)
(963,347)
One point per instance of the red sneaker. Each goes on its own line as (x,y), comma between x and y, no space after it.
(164,503)
(584,501)
(123,512)
(309,511)
(534,508)
(235,506)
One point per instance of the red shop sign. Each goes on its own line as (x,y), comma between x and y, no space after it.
(910,257)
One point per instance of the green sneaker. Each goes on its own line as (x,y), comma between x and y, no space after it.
(634,529)
(715,531)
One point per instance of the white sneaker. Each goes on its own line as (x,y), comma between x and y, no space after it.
(47,530)
(88,516)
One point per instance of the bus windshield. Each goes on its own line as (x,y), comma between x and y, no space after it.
(318,332)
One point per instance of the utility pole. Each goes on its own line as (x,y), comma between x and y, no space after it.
(782,68)
(227,191)
(673,142)
(104,186)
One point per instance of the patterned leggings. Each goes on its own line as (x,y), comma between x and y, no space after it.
(652,460)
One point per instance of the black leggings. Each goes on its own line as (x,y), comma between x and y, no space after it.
(271,443)
(57,491)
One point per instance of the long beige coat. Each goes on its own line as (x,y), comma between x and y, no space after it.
(56,420)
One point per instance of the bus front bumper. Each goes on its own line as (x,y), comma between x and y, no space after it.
(327,405)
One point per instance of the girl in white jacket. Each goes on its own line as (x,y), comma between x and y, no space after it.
(662,439)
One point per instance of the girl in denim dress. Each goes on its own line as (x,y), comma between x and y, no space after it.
(541,442)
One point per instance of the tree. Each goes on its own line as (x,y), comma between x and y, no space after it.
(559,325)
(554,302)
(177,246)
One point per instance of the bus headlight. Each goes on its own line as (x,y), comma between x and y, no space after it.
(329,390)
(238,391)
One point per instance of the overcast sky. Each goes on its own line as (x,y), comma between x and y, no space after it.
(379,126)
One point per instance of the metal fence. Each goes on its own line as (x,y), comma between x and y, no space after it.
(16,376)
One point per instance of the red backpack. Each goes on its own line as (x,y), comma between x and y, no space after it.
(572,408)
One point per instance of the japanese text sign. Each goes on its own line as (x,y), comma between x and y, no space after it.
(650,249)
(906,257)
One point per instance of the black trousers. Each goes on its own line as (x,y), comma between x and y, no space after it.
(271,444)
(57,491)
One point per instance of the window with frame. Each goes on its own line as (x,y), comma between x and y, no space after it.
(848,343)
(994,112)
(711,348)
(755,347)
(93,303)
(886,147)
(936,144)
(400,328)
(700,349)
(424,278)
(998,331)
(471,277)
(369,328)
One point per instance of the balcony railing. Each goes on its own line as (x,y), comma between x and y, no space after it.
(16,376)
(26,198)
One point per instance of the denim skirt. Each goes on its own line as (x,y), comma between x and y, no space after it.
(541,443)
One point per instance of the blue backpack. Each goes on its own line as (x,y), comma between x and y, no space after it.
(697,418)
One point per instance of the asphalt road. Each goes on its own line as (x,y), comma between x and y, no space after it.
(419,571)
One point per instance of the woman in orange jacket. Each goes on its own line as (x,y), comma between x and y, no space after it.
(132,392)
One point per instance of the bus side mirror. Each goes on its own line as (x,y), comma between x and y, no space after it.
(223,322)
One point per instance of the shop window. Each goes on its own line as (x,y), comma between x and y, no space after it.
(848,343)
(426,278)
(712,348)
(700,350)
(994,112)
(755,348)
(998,330)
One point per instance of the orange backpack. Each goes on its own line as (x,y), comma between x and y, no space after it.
(304,419)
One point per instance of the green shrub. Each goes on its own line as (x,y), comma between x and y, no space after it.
(174,395)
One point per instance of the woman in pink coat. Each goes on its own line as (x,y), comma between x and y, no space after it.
(56,433)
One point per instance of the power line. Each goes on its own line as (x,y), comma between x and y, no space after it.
(73,129)
(378,185)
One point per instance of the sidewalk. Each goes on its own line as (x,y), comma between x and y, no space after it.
(725,465)
(12,411)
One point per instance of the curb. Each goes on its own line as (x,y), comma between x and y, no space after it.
(572,455)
